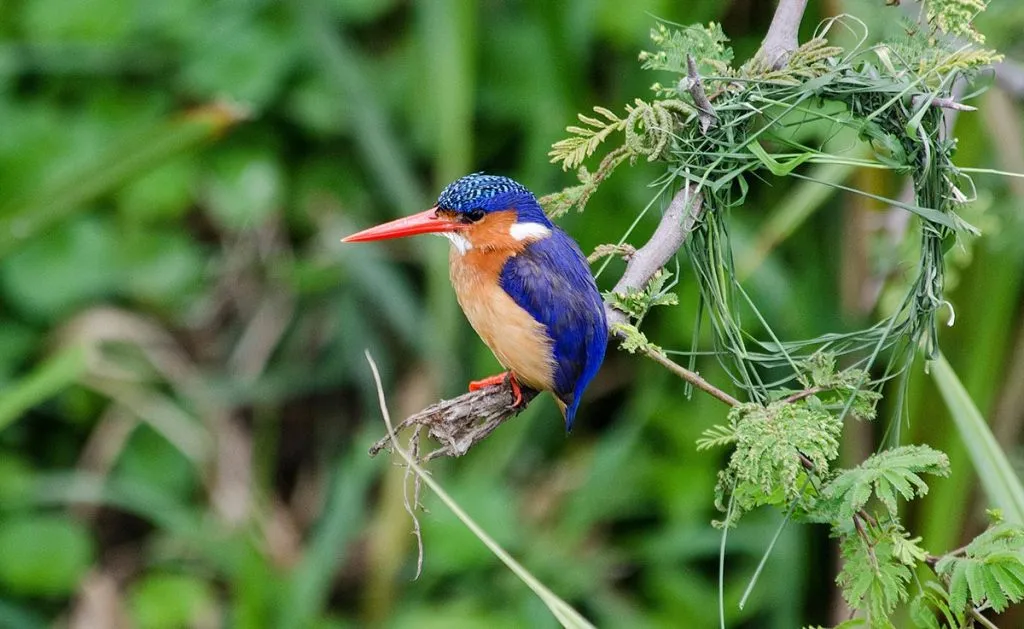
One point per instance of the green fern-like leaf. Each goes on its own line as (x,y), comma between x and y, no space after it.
(955,17)
(773,443)
(636,303)
(583,141)
(874,577)
(933,599)
(919,52)
(707,45)
(887,475)
(633,340)
(558,203)
(836,387)
(716,437)
(991,569)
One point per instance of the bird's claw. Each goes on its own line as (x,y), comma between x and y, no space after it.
(501,378)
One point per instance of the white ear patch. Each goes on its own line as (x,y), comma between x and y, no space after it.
(459,241)
(528,231)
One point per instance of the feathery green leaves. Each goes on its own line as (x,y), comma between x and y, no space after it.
(636,303)
(886,475)
(990,570)
(777,446)
(874,575)
(706,43)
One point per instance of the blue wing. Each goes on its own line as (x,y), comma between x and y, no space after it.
(550,279)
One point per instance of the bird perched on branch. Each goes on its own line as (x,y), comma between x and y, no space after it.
(523,283)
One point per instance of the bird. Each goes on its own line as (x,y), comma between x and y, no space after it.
(523,283)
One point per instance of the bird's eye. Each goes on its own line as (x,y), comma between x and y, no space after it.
(473,216)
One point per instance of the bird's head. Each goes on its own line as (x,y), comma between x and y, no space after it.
(478,211)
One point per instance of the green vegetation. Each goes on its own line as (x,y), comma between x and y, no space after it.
(185,405)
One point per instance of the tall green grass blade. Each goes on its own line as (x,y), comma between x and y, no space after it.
(561,610)
(928,214)
(45,381)
(774,166)
(998,479)
(23,218)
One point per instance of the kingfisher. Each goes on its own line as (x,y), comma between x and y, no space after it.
(522,282)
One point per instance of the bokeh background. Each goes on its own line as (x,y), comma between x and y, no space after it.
(184,403)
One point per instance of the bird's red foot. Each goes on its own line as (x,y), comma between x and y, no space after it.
(476,385)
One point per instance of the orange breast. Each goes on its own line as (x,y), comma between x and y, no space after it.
(518,341)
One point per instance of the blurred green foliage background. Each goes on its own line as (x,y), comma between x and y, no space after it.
(184,404)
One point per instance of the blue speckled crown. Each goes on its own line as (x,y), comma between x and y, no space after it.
(474,191)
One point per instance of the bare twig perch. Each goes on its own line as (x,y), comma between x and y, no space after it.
(460,422)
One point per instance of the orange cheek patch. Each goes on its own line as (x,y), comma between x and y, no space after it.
(493,232)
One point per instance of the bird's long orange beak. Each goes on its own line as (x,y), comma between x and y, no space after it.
(428,222)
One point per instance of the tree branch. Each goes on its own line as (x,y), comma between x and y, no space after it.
(781,40)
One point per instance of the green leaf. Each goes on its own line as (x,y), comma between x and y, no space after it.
(887,474)
(922,615)
(636,303)
(873,576)
(46,380)
(777,168)
(149,458)
(771,442)
(717,436)
(30,214)
(705,43)
(998,478)
(633,340)
(958,586)
(76,263)
(43,555)
(169,601)
(991,569)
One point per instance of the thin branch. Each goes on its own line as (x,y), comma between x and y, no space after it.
(942,103)
(985,622)
(781,40)
(679,220)
(691,376)
(799,395)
